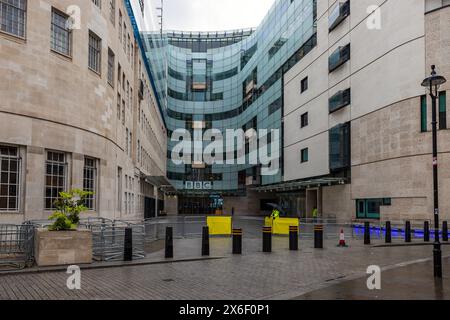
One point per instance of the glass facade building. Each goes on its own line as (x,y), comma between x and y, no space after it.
(228,80)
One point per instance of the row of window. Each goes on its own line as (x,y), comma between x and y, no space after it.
(13,21)
(56,178)
(339,135)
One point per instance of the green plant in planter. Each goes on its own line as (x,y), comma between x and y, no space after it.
(69,206)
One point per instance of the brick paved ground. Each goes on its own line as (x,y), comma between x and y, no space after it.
(280,275)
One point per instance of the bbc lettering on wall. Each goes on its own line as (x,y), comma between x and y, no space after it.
(198,185)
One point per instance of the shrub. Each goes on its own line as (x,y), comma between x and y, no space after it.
(69,206)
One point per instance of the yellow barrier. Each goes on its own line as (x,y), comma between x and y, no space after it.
(220,226)
(281,225)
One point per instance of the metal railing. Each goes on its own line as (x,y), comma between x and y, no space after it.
(16,245)
(183,227)
(108,239)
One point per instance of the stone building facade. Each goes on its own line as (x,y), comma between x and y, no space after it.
(376,91)
(77,110)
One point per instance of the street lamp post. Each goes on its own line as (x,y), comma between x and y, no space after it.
(433,83)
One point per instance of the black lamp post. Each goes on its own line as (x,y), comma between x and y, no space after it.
(433,83)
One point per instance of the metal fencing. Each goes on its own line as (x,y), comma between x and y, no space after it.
(108,239)
(183,227)
(16,245)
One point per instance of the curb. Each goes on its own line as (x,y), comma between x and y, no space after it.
(393,245)
(108,265)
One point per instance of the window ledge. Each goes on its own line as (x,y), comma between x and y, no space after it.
(14,213)
(95,72)
(13,37)
(61,55)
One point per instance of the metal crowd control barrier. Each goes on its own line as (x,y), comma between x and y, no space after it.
(109,240)
(332,228)
(183,227)
(16,245)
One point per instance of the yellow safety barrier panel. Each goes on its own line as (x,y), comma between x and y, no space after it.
(220,226)
(281,226)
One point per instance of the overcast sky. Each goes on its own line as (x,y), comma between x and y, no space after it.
(214,15)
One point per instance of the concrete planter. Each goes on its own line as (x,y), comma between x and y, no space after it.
(56,248)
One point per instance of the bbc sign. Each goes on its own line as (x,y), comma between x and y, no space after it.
(198,185)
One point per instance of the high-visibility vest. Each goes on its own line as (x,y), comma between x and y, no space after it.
(275,214)
(315,213)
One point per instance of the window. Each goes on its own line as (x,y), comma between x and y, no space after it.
(61,40)
(55,177)
(111,67)
(305,155)
(10,164)
(127,51)
(119,76)
(338,14)
(120,26)
(423,114)
(340,100)
(13,17)
(90,181)
(304,120)
(95,47)
(112,11)
(126,142)
(123,112)
(304,85)
(275,106)
(119,189)
(98,3)
(443,110)
(340,56)
(124,37)
(276,47)
(119,104)
(371,208)
(339,147)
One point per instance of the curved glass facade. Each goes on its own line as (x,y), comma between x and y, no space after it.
(229,80)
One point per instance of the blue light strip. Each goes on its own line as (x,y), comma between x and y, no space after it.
(138,38)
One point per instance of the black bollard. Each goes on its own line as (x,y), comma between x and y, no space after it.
(318,237)
(408,232)
(205,242)
(128,245)
(445,231)
(237,241)
(169,243)
(426,231)
(367,233)
(388,235)
(267,239)
(293,238)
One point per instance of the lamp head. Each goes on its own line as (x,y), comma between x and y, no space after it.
(434,80)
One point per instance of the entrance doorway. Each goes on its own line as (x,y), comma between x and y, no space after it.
(199,205)
(313,200)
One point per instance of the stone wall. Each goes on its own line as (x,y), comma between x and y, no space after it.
(53,102)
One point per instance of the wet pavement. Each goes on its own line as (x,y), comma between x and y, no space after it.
(411,282)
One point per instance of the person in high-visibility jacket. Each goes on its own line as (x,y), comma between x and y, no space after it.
(275,214)
(315,214)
